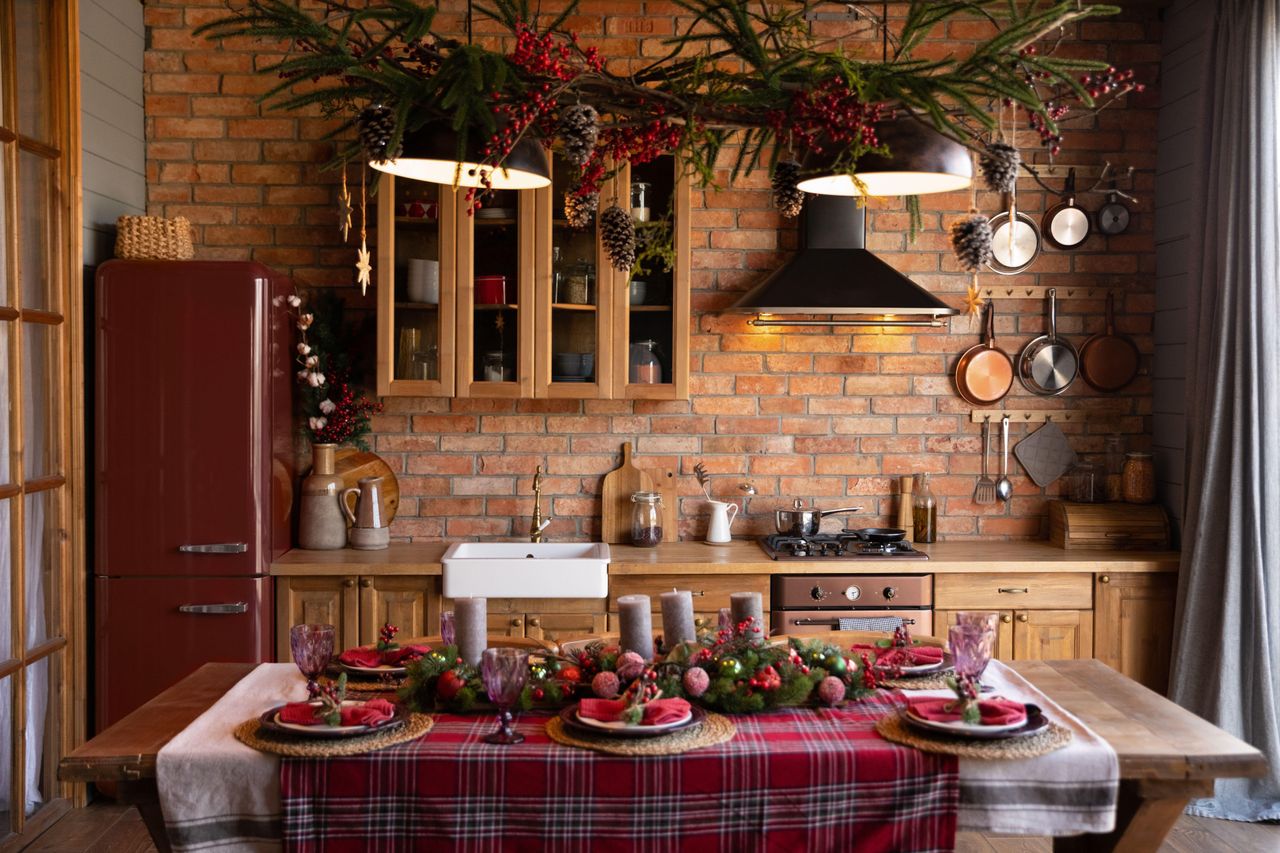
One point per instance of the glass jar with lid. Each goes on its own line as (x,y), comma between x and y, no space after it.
(646,519)
(645,367)
(1139,478)
(578,282)
(1085,483)
(1115,467)
(641,198)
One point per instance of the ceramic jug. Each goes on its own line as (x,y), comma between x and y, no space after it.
(369,531)
(321,526)
(722,515)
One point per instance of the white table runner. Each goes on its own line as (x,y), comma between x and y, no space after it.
(218,794)
(1066,792)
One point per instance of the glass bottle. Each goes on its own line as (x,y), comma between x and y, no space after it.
(557,275)
(924,511)
(1115,467)
(645,367)
(640,195)
(646,519)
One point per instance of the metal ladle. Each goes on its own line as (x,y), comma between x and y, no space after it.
(1004,486)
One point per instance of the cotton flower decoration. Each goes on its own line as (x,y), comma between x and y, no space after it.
(313,361)
(327,406)
(315,379)
(305,321)
(294,301)
(317,424)
(304,349)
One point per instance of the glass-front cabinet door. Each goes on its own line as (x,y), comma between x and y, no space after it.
(415,269)
(576,294)
(495,295)
(651,331)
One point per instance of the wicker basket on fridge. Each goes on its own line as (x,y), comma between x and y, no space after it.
(154,238)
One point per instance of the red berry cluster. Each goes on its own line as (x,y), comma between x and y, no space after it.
(868,673)
(798,661)
(829,112)
(766,679)
(544,56)
(387,633)
(1113,80)
(349,418)
(634,145)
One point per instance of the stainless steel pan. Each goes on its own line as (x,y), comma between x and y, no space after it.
(1048,364)
(805,522)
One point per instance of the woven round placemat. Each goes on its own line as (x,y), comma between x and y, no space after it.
(715,729)
(936,681)
(250,733)
(893,727)
(369,686)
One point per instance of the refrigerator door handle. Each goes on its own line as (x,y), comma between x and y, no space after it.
(216,548)
(215,609)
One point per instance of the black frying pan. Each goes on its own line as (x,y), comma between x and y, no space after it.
(881,535)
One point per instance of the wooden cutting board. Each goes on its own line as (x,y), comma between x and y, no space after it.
(615,497)
(664,483)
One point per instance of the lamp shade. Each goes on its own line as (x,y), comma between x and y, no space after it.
(920,161)
(431,154)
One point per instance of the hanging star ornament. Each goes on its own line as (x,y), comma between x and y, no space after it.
(344,209)
(363,268)
(973,301)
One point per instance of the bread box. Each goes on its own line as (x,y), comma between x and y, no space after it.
(1109,526)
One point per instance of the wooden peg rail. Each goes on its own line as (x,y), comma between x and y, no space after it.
(1038,291)
(1031,416)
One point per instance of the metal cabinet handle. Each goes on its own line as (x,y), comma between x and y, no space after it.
(1022,617)
(215,609)
(349,582)
(1013,590)
(535,622)
(1006,618)
(215,548)
(1105,579)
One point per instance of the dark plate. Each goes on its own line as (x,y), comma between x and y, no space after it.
(1036,723)
(268,722)
(569,716)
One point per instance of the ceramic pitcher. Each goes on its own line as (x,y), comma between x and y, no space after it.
(722,515)
(368,503)
(321,526)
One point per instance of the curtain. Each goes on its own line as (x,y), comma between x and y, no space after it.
(1228,635)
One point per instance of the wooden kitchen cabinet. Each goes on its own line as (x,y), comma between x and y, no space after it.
(944,619)
(1052,634)
(559,627)
(710,593)
(409,602)
(328,600)
(1134,625)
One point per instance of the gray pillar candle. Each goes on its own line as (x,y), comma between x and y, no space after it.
(745,605)
(471,627)
(677,618)
(635,625)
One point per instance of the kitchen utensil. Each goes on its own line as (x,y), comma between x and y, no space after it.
(905,521)
(984,373)
(1113,217)
(718,528)
(880,535)
(1013,248)
(1066,225)
(1045,454)
(805,522)
(352,465)
(1047,364)
(615,497)
(984,493)
(1004,486)
(1109,361)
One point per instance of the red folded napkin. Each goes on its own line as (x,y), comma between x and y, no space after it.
(914,656)
(403,655)
(361,657)
(656,713)
(995,712)
(371,713)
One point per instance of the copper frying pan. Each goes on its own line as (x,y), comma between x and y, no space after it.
(984,373)
(1109,361)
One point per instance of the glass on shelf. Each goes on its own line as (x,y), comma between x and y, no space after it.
(641,197)
(494,367)
(646,369)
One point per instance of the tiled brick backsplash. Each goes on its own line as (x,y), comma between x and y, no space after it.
(816,413)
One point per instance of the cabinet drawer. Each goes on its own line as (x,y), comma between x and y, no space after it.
(710,592)
(1007,591)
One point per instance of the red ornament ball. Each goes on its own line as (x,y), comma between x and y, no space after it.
(448,685)
(831,690)
(696,681)
(630,665)
(605,685)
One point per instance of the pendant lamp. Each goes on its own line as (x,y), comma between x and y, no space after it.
(431,154)
(920,161)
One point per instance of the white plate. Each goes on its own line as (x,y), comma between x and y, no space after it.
(961,727)
(373,670)
(922,668)
(618,724)
(298,727)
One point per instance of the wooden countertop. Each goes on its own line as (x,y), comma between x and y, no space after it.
(745,557)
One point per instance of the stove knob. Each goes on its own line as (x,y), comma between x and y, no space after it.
(817,593)
(852,593)
(890,593)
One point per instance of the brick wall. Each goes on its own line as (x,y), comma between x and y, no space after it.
(814,413)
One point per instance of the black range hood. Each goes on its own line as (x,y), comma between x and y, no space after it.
(834,273)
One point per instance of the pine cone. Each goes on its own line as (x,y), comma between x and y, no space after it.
(619,234)
(971,241)
(787,197)
(375,124)
(580,209)
(999,166)
(578,129)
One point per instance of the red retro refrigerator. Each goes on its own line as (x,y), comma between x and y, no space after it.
(192,470)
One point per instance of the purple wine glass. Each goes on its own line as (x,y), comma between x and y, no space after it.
(725,622)
(312,647)
(504,672)
(971,646)
(979,618)
(448,633)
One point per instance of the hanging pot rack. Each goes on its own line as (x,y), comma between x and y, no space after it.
(1038,172)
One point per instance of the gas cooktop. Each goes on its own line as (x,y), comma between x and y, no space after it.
(836,546)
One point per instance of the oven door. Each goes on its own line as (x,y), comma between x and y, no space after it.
(919,621)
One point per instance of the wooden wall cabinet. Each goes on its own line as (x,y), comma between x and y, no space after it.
(357,606)
(525,306)
(1134,625)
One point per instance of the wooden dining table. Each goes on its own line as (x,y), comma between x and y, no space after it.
(1167,754)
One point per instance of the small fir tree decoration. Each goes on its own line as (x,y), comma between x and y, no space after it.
(619,235)
(579,210)
(578,129)
(999,162)
(971,240)
(375,124)
(787,197)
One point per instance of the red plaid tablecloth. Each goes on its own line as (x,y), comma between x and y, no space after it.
(801,779)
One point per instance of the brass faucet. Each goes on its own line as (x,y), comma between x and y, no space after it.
(537,523)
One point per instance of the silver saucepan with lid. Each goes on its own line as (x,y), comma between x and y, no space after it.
(805,522)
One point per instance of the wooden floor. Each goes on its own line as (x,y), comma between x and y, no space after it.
(109,828)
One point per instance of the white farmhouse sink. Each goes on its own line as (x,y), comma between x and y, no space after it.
(526,570)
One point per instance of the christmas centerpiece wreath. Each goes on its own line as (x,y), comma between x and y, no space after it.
(751,80)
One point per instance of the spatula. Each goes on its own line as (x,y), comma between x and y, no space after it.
(984,493)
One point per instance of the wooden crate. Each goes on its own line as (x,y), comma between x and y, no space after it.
(1108,526)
